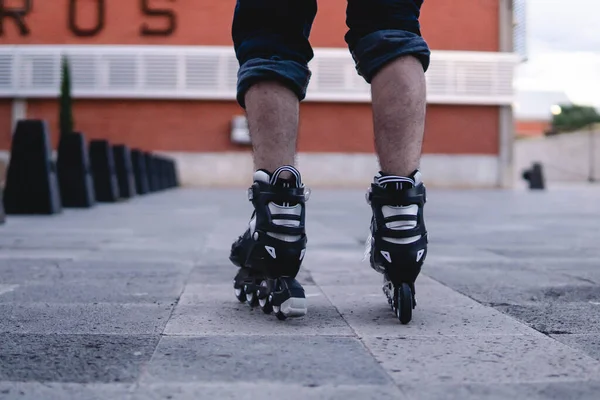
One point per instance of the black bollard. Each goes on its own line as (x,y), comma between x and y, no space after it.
(140,172)
(124,170)
(173,174)
(169,173)
(162,169)
(2,213)
(31,182)
(156,162)
(535,177)
(151,170)
(74,172)
(103,168)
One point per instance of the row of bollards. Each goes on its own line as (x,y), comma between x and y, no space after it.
(81,176)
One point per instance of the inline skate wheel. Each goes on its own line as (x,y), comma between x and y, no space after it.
(405,303)
(240,294)
(263,300)
(251,297)
(280,315)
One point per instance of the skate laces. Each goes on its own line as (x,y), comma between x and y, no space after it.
(398,182)
(291,170)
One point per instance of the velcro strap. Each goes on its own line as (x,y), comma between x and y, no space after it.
(264,193)
(401,217)
(290,217)
(285,230)
(384,197)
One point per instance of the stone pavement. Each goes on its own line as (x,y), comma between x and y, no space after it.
(134,301)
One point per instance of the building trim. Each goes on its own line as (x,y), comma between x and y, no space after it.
(210,73)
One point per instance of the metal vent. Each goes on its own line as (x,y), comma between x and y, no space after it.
(6,71)
(210,72)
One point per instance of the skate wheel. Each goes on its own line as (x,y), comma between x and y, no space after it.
(251,298)
(280,316)
(405,303)
(264,303)
(240,294)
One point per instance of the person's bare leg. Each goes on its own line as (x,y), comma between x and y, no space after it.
(272,111)
(399,103)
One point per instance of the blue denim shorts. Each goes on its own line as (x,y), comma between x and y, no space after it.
(271,39)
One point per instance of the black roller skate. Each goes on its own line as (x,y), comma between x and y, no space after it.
(271,250)
(398,240)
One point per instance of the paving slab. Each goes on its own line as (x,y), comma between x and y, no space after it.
(74,358)
(62,391)
(514,281)
(307,360)
(439,311)
(61,281)
(572,390)
(589,343)
(101,318)
(480,359)
(553,317)
(213,310)
(253,391)
(223,272)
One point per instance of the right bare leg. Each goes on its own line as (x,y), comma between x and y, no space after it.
(385,40)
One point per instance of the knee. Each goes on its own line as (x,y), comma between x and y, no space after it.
(383,30)
(377,49)
(292,74)
(271,43)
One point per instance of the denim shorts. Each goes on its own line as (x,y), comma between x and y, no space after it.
(271,39)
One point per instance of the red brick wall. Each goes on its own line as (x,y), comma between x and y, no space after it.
(531,128)
(204,126)
(5,123)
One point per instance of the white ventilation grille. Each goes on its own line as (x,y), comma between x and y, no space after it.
(207,72)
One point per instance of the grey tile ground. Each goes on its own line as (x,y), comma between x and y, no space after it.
(480,359)
(440,312)
(589,343)
(74,358)
(497,247)
(509,281)
(303,360)
(206,273)
(553,317)
(571,390)
(213,310)
(62,391)
(92,281)
(253,391)
(105,318)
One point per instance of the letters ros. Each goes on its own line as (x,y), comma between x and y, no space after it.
(19,17)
